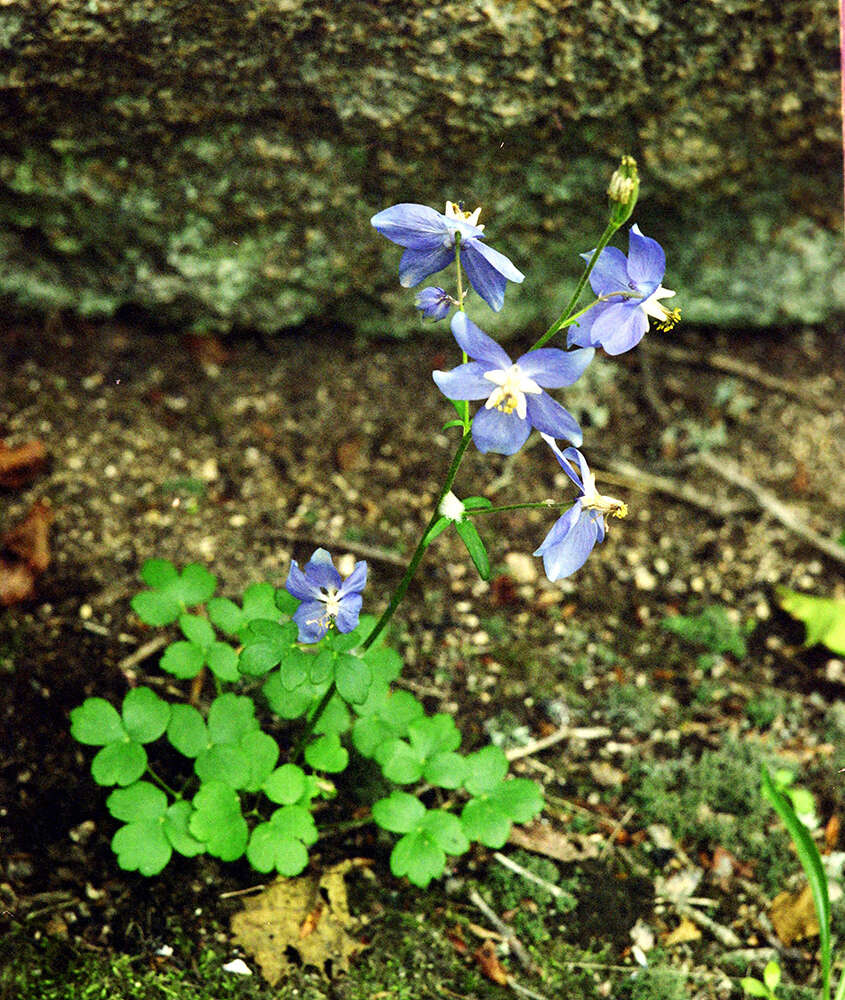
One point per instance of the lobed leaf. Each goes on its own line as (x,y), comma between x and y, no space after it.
(119,763)
(353,678)
(286,785)
(230,717)
(145,715)
(177,830)
(217,821)
(182,659)
(186,730)
(399,812)
(141,802)
(418,857)
(485,770)
(142,847)
(222,661)
(262,752)
(327,754)
(197,629)
(96,722)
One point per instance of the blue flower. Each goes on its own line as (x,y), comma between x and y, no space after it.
(515,401)
(635,284)
(327,599)
(429,240)
(433,302)
(573,536)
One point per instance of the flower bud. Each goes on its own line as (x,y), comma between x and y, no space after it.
(623,191)
(451,507)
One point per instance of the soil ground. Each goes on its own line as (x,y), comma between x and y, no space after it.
(161,446)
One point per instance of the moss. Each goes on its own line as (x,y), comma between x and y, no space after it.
(653,983)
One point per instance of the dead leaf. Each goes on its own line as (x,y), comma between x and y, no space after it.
(488,962)
(606,774)
(831,833)
(541,838)
(685,931)
(271,924)
(207,350)
(27,555)
(19,466)
(17,582)
(793,916)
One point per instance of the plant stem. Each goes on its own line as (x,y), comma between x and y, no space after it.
(561,321)
(161,782)
(398,594)
(534,505)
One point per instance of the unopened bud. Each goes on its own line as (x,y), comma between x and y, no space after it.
(623,190)
(451,507)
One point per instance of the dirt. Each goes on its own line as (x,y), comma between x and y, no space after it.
(246,458)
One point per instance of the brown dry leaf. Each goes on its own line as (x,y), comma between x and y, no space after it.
(207,350)
(17,582)
(793,916)
(540,838)
(28,540)
(685,931)
(19,466)
(272,923)
(831,833)
(488,962)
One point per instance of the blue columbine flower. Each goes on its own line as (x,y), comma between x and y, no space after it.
(429,240)
(327,599)
(434,303)
(620,324)
(515,401)
(573,536)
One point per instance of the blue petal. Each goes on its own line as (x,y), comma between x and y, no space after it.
(411,225)
(356,581)
(569,552)
(416,265)
(347,613)
(298,585)
(560,529)
(320,570)
(552,367)
(581,332)
(564,459)
(477,344)
(503,433)
(483,275)
(465,382)
(610,273)
(620,327)
(433,302)
(308,616)
(549,417)
(646,261)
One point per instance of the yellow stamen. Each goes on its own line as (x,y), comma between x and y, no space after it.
(672,318)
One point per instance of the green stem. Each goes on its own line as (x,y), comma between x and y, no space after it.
(536,505)
(398,594)
(566,315)
(162,783)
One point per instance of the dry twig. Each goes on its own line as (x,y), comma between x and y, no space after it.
(507,933)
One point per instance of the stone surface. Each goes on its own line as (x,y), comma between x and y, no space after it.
(217,164)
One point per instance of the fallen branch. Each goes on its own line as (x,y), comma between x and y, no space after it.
(770,503)
(507,933)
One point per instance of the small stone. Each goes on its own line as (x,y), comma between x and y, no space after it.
(521,566)
(644,579)
(237,520)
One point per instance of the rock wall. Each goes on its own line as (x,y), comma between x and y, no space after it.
(216,162)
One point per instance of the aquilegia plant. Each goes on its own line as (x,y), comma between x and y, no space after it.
(302,678)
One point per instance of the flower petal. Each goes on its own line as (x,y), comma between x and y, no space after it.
(416,265)
(610,273)
(464,382)
(560,529)
(565,460)
(646,261)
(298,585)
(411,225)
(488,271)
(581,332)
(568,552)
(549,417)
(355,582)
(310,616)
(347,613)
(320,570)
(620,327)
(503,433)
(477,344)
(552,368)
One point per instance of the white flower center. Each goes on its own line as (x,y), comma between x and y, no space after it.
(606,506)
(512,384)
(332,601)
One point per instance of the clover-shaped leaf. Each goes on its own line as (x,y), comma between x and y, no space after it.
(187,731)
(353,677)
(446,770)
(327,754)
(262,752)
(230,717)
(236,752)
(486,769)
(171,592)
(429,835)
(292,704)
(282,843)
(185,658)
(286,785)
(223,762)
(496,802)
(389,716)
(217,821)
(265,645)
(152,830)
(145,715)
(96,722)
(405,762)
(119,763)
(182,659)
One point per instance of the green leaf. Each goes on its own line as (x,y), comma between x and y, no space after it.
(446,830)
(222,661)
(195,585)
(223,762)
(823,616)
(141,802)
(322,667)
(230,717)
(176,829)
(477,503)
(437,529)
(119,763)
(155,608)
(484,822)
(434,734)
(753,987)
(259,658)
(335,718)
(269,848)
(186,730)
(419,857)
(145,715)
(452,423)
(157,573)
(771,975)
(266,644)
(369,733)
(399,812)
(295,821)
(262,752)
(286,602)
(226,615)
(197,629)
(260,602)
(142,847)
(353,678)
(285,703)
(469,535)
(712,628)
(385,662)
(446,770)
(217,821)
(286,785)
(520,799)
(182,659)
(96,722)
(294,668)
(327,754)
(485,770)
(811,862)
(399,762)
